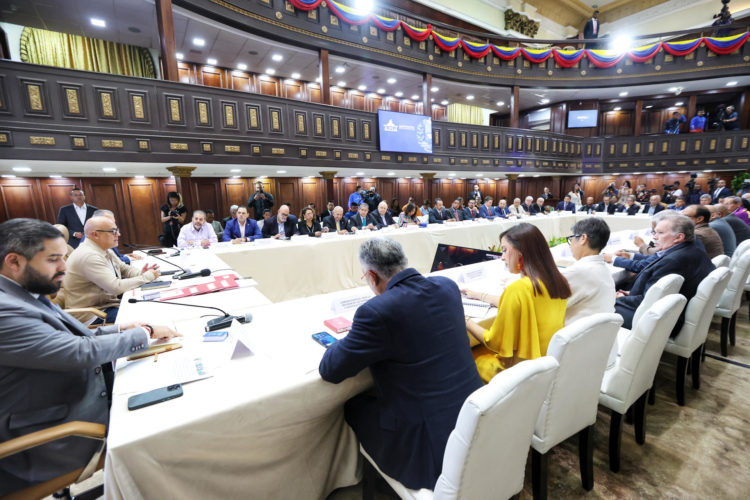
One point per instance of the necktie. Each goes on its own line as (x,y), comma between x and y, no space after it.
(44,300)
(338,227)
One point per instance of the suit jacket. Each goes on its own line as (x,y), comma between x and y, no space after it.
(611,208)
(588,29)
(723,193)
(528,208)
(439,216)
(475,195)
(379,219)
(271,227)
(631,210)
(570,207)
(68,217)
(502,212)
(50,365)
(658,208)
(303,229)
(422,369)
(457,214)
(686,259)
(587,209)
(741,230)
(468,215)
(330,223)
(484,213)
(536,209)
(356,221)
(232,231)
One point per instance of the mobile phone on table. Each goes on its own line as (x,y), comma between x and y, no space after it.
(324,338)
(156,396)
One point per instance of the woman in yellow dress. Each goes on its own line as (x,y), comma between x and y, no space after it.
(529,311)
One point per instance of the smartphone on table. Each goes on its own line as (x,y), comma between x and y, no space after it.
(156,396)
(324,338)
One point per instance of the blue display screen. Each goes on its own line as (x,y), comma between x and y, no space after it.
(404,133)
(582,118)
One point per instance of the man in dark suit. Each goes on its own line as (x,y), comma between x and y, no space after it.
(591,30)
(455,211)
(589,207)
(242,229)
(280,226)
(421,365)
(260,201)
(630,207)
(676,253)
(336,223)
(438,213)
(50,363)
(383,217)
(654,205)
(328,211)
(528,204)
(606,206)
(538,207)
(486,210)
(566,205)
(475,195)
(471,212)
(75,215)
(363,220)
(502,209)
(721,191)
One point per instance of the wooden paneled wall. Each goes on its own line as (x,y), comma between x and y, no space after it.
(136,202)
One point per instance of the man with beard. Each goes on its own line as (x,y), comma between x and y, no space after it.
(50,363)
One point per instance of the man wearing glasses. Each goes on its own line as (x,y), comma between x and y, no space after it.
(96,277)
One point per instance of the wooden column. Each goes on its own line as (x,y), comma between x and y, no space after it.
(515,104)
(328,176)
(512,178)
(428,178)
(692,107)
(744,110)
(638,112)
(324,74)
(185,186)
(165,22)
(426,94)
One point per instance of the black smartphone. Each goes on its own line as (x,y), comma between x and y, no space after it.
(324,338)
(156,396)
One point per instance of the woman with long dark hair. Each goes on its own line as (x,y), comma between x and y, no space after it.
(408,216)
(529,311)
(394,209)
(173,216)
(308,223)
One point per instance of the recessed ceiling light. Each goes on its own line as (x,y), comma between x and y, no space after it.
(434,89)
(391,173)
(291,80)
(211,61)
(444,102)
(623,94)
(360,173)
(235,177)
(296,76)
(707,171)
(478,175)
(618,108)
(270,71)
(139,177)
(334,87)
(391,80)
(235,170)
(21,169)
(199,42)
(679,103)
(9,176)
(277,57)
(242,66)
(407,177)
(432,99)
(180,56)
(415,97)
(544,101)
(469,97)
(362,87)
(281,171)
(340,69)
(55,176)
(649,106)
(381,91)
(672,89)
(100,23)
(732,83)
(500,103)
(452,174)
(398,94)
(341,83)
(109,169)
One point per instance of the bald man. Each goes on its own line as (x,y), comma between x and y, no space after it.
(96,276)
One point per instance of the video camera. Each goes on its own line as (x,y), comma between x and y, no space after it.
(690,185)
(712,184)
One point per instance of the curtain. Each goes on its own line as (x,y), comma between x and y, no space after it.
(463,113)
(51,48)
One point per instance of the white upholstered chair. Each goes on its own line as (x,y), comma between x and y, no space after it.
(688,342)
(627,382)
(730,300)
(486,453)
(570,407)
(720,261)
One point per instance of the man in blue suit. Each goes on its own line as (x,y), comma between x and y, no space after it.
(566,205)
(502,209)
(606,205)
(721,191)
(75,215)
(486,211)
(242,229)
(676,253)
(421,365)
(471,212)
(439,214)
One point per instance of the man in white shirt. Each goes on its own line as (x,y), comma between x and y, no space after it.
(197,232)
(516,208)
(589,277)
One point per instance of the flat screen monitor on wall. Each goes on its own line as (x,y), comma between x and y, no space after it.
(404,132)
(582,118)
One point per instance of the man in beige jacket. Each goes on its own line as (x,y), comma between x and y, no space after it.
(96,276)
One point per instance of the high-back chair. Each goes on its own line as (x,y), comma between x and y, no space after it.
(720,261)
(730,300)
(486,453)
(626,383)
(570,407)
(688,342)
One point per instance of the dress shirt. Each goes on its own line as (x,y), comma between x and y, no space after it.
(80,212)
(593,288)
(189,234)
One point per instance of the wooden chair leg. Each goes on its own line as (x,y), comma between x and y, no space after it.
(586,457)
(680,380)
(724,336)
(615,435)
(703,353)
(732,328)
(652,395)
(539,475)
(696,362)
(639,413)
(629,416)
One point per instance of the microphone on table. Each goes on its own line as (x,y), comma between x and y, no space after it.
(171,264)
(186,275)
(148,249)
(212,325)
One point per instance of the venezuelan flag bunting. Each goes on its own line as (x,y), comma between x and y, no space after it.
(385,23)
(417,34)
(536,56)
(727,44)
(347,14)
(604,58)
(643,54)
(506,53)
(305,4)
(682,48)
(446,43)
(567,58)
(475,50)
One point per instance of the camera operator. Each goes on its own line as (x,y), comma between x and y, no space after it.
(610,191)
(173,216)
(731,121)
(373,199)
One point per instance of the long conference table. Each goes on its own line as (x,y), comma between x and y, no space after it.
(266,425)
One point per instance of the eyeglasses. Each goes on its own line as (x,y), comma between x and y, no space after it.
(571,237)
(113,231)
(653,232)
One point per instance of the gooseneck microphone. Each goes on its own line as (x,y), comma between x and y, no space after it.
(215,324)
(186,275)
(129,245)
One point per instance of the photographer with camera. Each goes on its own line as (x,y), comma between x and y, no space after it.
(373,199)
(731,120)
(672,126)
(173,214)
